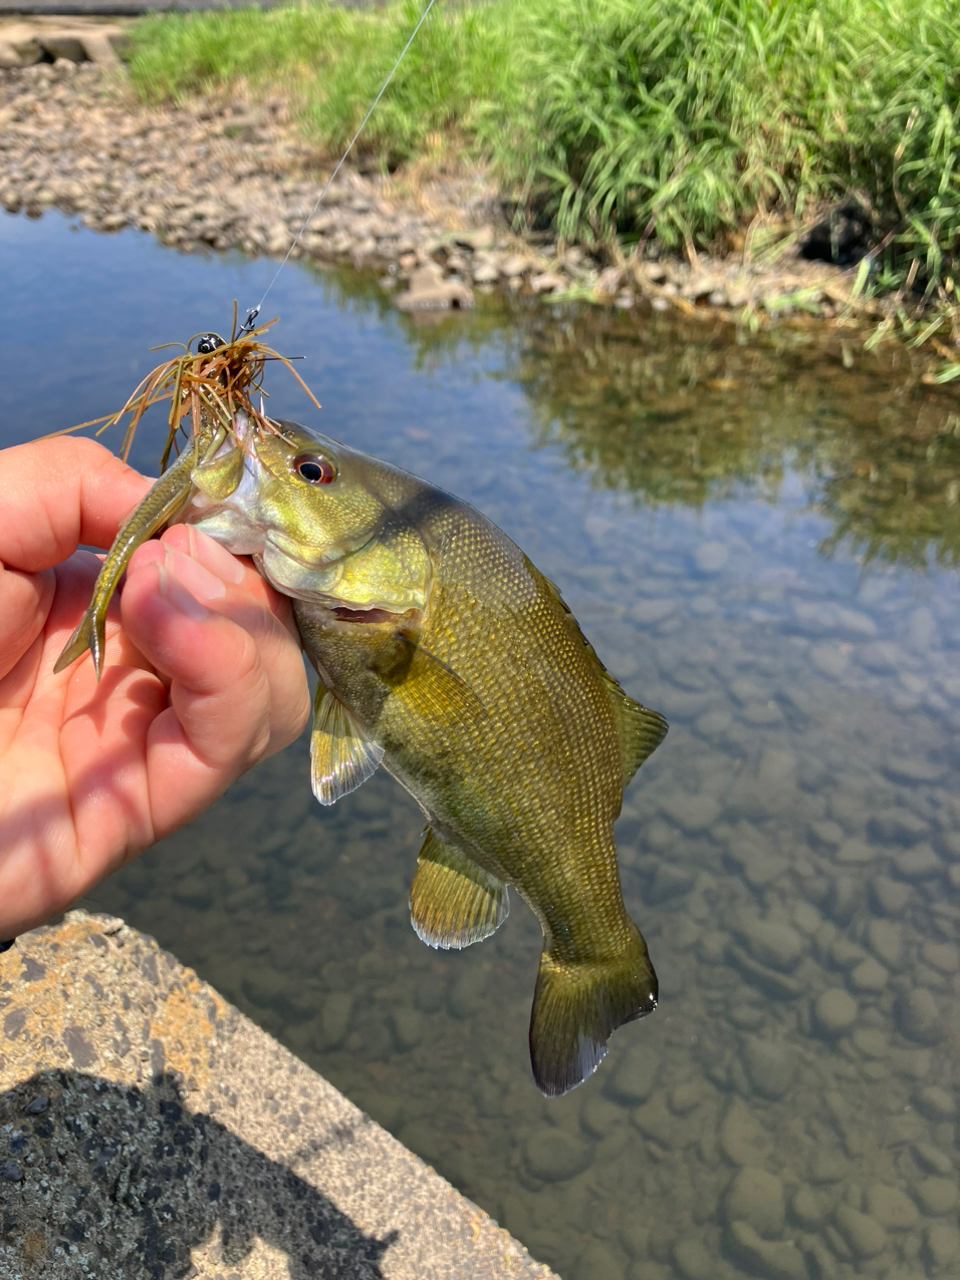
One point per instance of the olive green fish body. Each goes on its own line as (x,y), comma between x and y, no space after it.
(445,655)
(500,720)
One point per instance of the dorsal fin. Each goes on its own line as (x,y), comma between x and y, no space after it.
(641,730)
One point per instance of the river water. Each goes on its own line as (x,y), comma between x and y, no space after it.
(760,536)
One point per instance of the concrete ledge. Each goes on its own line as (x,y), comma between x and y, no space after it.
(148,1129)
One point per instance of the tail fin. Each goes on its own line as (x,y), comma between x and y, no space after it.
(90,634)
(577,1006)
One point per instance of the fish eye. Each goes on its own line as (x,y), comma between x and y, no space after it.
(315,468)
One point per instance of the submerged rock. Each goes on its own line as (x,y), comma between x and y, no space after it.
(770,1066)
(552,1155)
(892,1207)
(862,1233)
(935,1103)
(773,1261)
(742,1139)
(918,1017)
(756,1197)
(937,1195)
(834,1012)
(634,1076)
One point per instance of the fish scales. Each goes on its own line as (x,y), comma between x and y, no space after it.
(445,655)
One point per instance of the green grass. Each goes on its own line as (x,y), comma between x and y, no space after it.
(682,121)
(331,62)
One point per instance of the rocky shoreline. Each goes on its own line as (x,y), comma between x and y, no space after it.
(227,173)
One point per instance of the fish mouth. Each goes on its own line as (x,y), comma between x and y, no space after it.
(373,616)
(367,617)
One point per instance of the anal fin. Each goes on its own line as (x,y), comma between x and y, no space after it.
(342,755)
(453,902)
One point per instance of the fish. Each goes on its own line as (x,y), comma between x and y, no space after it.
(444,655)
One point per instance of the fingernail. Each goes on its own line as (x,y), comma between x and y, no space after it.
(179,597)
(221,562)
(200,582)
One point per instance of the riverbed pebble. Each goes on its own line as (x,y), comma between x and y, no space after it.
(913,769)
(935,1103)
(693,1261)
(943,956)
(407,1026)
(830,658)
(710,557)
(634,1076)
(336,1018)
(943,1245)
(553,1155)
(756,1197)
(885,939)
(918,1017)
(806,1207)
(862,1233)
(692,813)
(872,1042)
(857,851)
(937,1196)
(773,1260)
(771,1066)
(918,863)
(835,1011)
(932,1159)
(869,976)
(889,897)
(891,1206)
(742,1138)
(770,943)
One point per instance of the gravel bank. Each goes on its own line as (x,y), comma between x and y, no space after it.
(228,174)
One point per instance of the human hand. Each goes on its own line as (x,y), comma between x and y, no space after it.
(202,679)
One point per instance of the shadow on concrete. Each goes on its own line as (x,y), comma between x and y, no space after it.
(100,1178)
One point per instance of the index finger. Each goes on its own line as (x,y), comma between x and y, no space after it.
(58,494)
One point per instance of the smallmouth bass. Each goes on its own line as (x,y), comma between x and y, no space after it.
(445,655)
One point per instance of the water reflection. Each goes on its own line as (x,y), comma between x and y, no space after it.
(690,413)
(680,412)
(791,852)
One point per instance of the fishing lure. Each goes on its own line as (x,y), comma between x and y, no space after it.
(213,382)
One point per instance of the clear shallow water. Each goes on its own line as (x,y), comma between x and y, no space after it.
(792,851)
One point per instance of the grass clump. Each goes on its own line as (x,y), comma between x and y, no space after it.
(688,118)
(680,120)
(331,62)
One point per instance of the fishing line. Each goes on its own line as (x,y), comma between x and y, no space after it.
(248,324)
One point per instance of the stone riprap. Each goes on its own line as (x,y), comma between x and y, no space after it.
(224,173)
(148,1129)
(26,41)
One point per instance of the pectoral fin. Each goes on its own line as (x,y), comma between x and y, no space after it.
(430,686)
(342,754)
(453,902)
